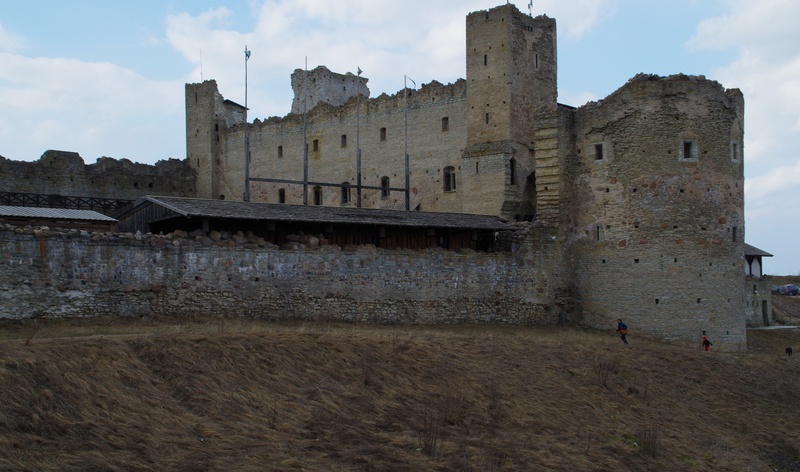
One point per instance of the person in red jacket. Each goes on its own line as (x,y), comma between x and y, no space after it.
(706,343)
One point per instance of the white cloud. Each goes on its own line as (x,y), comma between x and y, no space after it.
(90,108)
(764,36)
(10,42)
(576,17)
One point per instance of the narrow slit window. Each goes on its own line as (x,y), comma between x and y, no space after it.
(280,151)
(512,171)
(345,193)
(383,134)
(385,187)
(449,177)
(281,195)
(536,61)
(485,59)
(445,123)
(344,140)
(317,195)
(315,145)
(735,151)
(487,118)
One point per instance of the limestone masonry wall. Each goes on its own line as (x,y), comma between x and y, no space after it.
(64,173)
(45,273)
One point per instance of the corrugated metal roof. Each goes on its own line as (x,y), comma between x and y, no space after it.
(53,213)
(202,208)
(754,251)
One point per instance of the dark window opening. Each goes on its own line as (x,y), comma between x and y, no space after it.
(536,61)
(316,145)
(383,134)
(281,195)
(598,152)
(344,140)
(317,195)
(512,171)
(345,193)
(689,150)
(487,118)
(485,59)
(385,187)
(445,123)
(449,177)
(733,234)
(280,151)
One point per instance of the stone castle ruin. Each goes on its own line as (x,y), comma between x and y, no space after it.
(629,207)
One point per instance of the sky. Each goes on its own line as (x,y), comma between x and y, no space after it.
(105,78)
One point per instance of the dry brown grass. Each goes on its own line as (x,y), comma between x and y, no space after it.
(201,395)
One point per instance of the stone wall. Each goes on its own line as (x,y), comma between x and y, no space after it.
(276,149)
(64,173)
(57,274)
(659,204)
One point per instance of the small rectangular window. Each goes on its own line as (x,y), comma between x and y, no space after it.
(383,134)
(689,150)
(445,123)
(281,196)
(485,59)
(344,140)
(280,151)
(487,118)
(598,152)
(316,145)
(536,61)
(735,152)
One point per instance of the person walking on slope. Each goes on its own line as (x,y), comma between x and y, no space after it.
(622,329)
(706,343)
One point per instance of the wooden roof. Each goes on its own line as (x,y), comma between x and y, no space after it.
(226,209)
(54,214)
(754,251)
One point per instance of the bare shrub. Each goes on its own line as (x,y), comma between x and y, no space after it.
(640,386)
(495,400)
(605,368)
(648,440)
(29,337)
(496,459)
(429,432)
(454,408)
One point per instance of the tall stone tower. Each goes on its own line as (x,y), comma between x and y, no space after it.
(208,115)
(511,72)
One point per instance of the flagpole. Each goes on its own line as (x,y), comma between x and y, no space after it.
(358,142)
(246,137)
(305,139)
(405,137)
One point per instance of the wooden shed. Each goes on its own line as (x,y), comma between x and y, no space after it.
(338,225)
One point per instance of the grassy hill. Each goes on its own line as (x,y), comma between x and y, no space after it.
(200,395)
